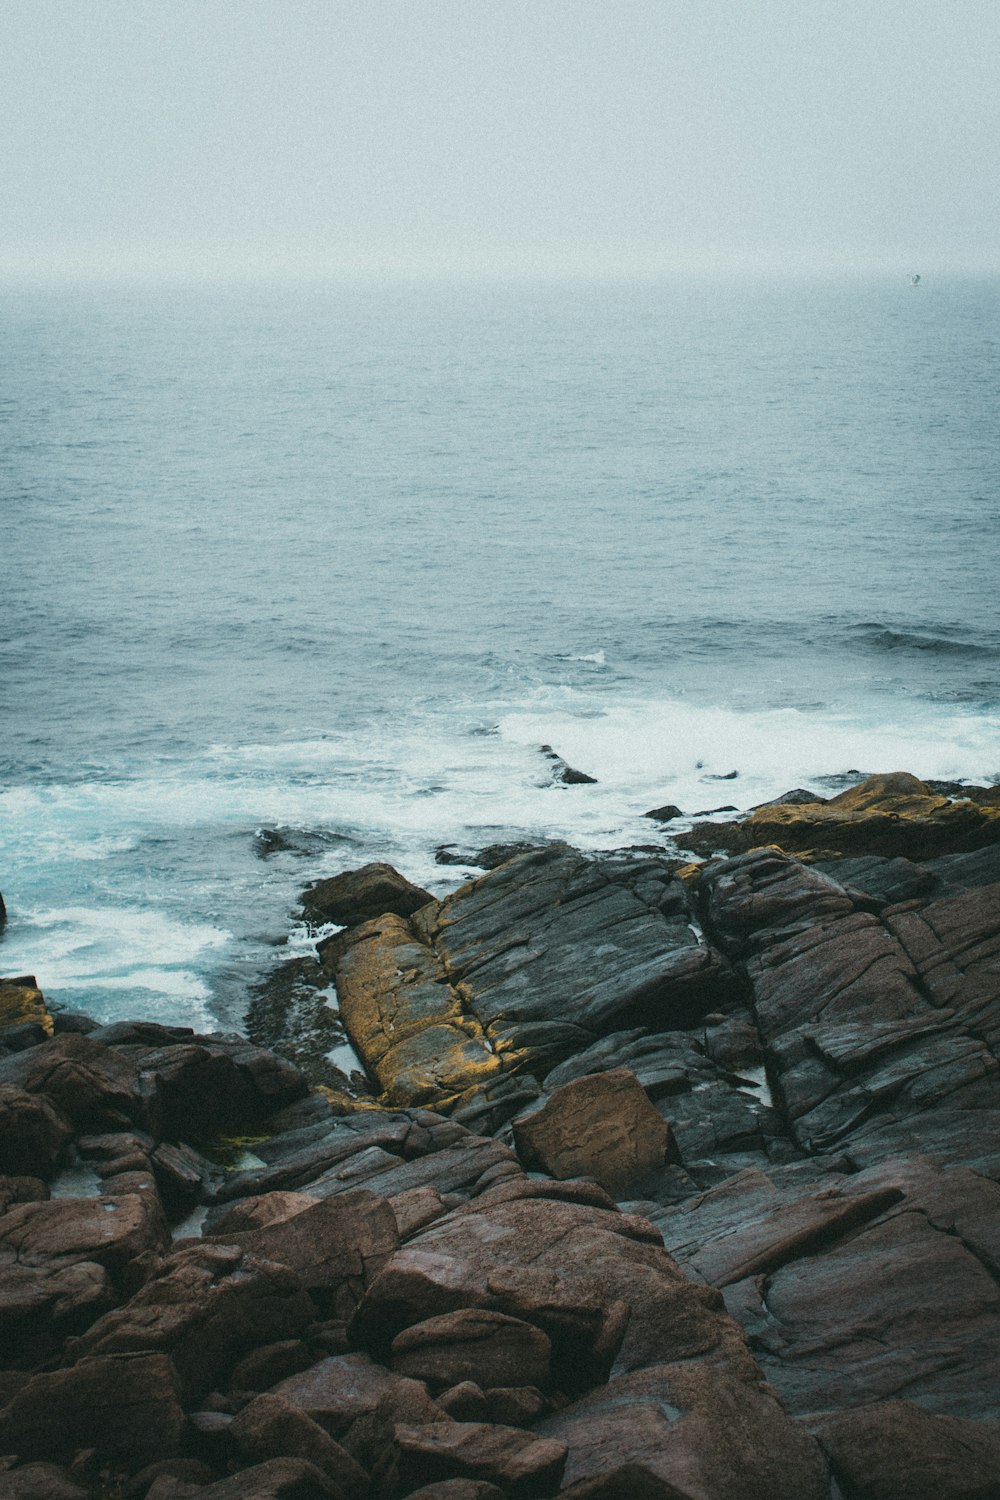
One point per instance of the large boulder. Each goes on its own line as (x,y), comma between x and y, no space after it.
(520,1463)
(488,1348)
(601,1126)
(358,895)
(124,1407)
(270,1427)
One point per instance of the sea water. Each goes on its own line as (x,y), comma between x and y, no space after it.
(337,561)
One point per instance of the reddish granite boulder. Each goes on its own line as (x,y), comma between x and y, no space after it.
(473,1344)
(601,1126)
(894,1450)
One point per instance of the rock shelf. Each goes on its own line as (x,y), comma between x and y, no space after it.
(678,1183)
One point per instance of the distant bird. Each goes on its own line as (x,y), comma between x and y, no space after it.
(915,279)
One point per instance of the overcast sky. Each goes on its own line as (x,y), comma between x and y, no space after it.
(515,137)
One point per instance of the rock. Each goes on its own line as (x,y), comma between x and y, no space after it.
(458,1489)
(110,1230)
(602,1126)
(207,1307)
(213,1085)
(277,1479)
(475,985)
(888,815)
(124,1407)
(677,1430)
(473,1344)
(21,1001)
(33,1133)
(359,895)
(487,858)
(90,1084)
(520,1463)
(894,1450)
(270,1427)
(618,1254)
(181,1173)
(584,1325)
(566,774)
(41,1305)
(336,1392)
(665,814)
(41,1481)
(269,1363)
(22,1190)
(186,1470)
(335,1246)
(255,1212)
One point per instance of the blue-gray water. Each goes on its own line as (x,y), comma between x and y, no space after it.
(340,560)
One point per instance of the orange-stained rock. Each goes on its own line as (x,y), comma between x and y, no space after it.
(602,1126)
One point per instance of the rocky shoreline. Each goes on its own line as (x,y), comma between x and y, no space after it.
(662,1179)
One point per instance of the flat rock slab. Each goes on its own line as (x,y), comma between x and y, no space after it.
(601,1126)
(673,1430)
(894,1450)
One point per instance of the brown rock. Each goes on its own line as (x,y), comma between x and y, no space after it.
(41,1481)
(276,1479)
(264,1366)
(91,1085)
(458,1489)
(109,1230)
(475,1344)
(258,1211)
(336,1245)
(32,1133)
(40,1306)
(519,1462)
(358,895)
(894,1450)
(206,1307)
(339,1390)
(126,1408)
(270,1427)
(682,1430)
(601,1126)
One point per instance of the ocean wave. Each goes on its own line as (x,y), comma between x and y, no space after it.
(881,638)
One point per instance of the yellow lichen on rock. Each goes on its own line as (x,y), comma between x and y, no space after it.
(22,1002)
(404,1019)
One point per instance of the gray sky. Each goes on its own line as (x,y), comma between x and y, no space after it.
(514,137)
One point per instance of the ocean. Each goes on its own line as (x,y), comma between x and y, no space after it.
(332,563)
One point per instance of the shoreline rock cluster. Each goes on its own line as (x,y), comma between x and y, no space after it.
(663,1180)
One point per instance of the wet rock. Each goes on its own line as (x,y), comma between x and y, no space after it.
(488,858)
(125,1407)
(677,1430)
(33,1133)
(564,773)
(665,814)
(270,1427)
(359,895)
(602,1126)
(520,1463)
(894,1450)
(887,815)
(22,1002)
(473,1344)
(207,1307)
